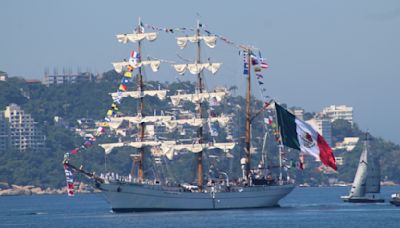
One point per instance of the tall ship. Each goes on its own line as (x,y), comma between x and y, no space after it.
(255,188)
(367,179)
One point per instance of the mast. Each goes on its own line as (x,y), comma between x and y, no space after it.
(141,108)
(200,114)
(168,147)
(248,117)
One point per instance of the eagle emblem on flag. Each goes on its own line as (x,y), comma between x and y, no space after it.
(307,140)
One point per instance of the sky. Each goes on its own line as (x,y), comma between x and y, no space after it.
(343,52)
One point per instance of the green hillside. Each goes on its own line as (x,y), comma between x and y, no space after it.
(91,100)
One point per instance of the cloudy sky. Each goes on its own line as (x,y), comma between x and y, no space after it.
(320,52)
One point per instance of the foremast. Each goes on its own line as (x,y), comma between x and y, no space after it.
(168,148)
(137,37)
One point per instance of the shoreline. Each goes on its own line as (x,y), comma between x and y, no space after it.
(82,188)
(28,190)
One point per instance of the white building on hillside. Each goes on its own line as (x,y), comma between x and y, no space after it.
(22,130)
(324,128)
(50,80)
(299,113)
(342,112)
(348,144)
(3,76)
(4,135)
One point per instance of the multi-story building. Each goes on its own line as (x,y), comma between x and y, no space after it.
(299,113)
(4,133)
(67,78)
(342,112)
(3,76)
(22,130)
(324,127)
(348,144)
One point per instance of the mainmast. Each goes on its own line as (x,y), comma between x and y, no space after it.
(196,69)
(200,114)
(141,106)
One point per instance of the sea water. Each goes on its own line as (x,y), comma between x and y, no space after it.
(304,207)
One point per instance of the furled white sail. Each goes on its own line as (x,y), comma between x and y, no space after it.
(154,64)
(135,37)
(197,122)
(115,122)
(198,97)
(161,94)
(169,148)
(209,40)
(119,66)
(108,147)
(196,68)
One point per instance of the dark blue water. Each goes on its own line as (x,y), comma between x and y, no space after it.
(304,207)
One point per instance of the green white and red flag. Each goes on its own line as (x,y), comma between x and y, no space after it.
(299,135)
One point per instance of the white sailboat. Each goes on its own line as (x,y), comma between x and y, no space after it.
(366,181)
(142,194)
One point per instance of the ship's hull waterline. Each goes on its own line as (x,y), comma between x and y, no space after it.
(136,197)
(364,199)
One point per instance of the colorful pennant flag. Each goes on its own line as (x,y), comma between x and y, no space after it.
(74,151)
(87,143)
(70,180)
(125,80)
(245,69)
(123,87)
(264,65)
(114,107)
(134,54)
(254,60)
(269,120)
(128,74)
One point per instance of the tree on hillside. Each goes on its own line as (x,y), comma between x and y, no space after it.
(343,128)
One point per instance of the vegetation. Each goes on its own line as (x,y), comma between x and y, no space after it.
(91,100)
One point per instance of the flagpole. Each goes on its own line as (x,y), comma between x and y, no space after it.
(280,155)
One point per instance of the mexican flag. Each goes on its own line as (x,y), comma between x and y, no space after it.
(299,135)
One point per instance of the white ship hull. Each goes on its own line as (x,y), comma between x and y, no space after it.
(138,197)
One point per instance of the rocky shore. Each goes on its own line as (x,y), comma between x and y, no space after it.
(16,190)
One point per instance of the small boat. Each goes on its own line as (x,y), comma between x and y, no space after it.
(395,199)
(366,181)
